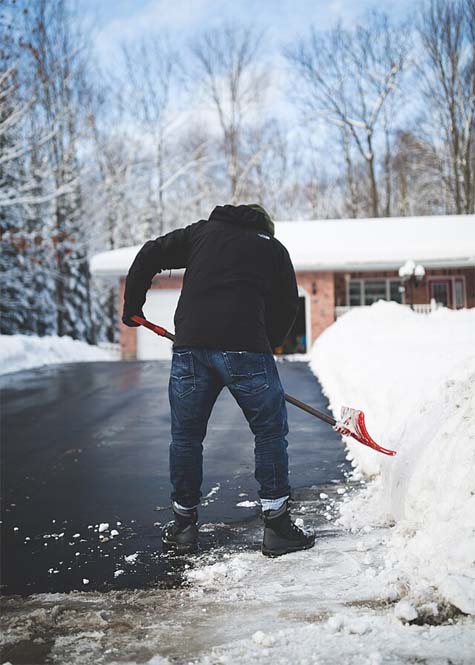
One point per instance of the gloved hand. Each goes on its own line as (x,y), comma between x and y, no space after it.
(127,320)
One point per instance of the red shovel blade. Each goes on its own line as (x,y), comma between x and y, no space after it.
(352,423)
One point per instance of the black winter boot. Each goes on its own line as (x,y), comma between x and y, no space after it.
(281,535)
(181,535)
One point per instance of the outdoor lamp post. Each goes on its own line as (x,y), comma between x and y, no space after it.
(411,274)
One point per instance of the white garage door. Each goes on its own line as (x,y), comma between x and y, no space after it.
(159,308)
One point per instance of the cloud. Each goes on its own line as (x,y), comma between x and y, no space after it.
(282,20)
(183,18)
(155,16)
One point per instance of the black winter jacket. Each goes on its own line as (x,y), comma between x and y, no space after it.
(239,289)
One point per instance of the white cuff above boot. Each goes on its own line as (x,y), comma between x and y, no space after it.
(273,504)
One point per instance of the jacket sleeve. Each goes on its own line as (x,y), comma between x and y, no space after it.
(283,301)
(168,251)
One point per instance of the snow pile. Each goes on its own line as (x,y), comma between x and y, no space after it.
(414,377)
(19,352)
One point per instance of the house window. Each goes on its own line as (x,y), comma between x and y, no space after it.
(448,291)
(459,293)
(395,292)
(440,292)
(368,291)
(374,289)
(355,292)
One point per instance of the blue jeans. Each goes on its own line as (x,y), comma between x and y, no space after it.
(197,377)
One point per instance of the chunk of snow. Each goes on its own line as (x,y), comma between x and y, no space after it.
(103,526)
(233,571)
(262,638)
(114,532)
(323,495)
(131,558)
(85,580)
(335,623)
(405,611)
(247,504)
(213,491)
(119,572)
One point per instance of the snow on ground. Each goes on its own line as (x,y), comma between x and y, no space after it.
(414,377)
(389,579)
(294,357)
(324,606)
(19,352)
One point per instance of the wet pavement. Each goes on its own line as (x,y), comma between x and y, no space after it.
(86,444)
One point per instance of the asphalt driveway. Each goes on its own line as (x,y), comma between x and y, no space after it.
(86,444)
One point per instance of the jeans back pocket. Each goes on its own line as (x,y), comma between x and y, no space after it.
(182,373)
(247,370)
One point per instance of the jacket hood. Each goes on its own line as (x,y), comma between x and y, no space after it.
(247,216)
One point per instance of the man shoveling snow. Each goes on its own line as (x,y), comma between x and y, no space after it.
(239,300)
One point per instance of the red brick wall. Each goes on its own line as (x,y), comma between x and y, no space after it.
(340,288)
(167,281)
(470,286)
(320,287)
(128,336)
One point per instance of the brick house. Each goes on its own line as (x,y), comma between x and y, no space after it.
(339,264)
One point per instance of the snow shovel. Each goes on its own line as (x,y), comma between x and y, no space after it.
(351,423)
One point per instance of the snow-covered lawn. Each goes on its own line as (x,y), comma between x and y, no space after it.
(19,352)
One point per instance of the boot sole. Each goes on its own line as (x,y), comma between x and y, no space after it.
(276,553)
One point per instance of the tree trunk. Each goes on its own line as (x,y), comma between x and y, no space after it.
(349,176)
(372,180)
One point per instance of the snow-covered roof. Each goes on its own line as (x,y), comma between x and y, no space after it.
(354,244)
